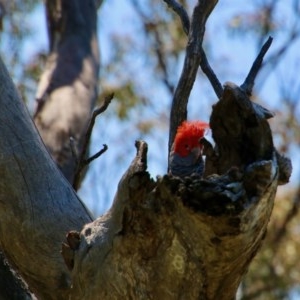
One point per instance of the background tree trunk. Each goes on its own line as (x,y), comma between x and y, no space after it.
(68,87)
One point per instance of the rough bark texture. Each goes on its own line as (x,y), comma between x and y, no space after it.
(68,87)
(37,204)
(185,238)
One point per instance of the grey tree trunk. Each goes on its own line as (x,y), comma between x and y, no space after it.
(68,87)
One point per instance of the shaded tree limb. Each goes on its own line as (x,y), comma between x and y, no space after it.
(81,160)
(212,77)
(181,12)
(248,84)
(37,205)
(192,60)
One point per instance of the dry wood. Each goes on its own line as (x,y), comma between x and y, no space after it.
(186,238)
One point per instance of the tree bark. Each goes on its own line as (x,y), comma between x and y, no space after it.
(68,87)
(37,205)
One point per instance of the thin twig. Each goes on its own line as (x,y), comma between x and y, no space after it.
(248,84)
(208,71)
(81,160)
(96,155)
(181,12)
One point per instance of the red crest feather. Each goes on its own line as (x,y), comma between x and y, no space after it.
(188,135)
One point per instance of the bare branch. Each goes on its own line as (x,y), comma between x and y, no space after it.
(81,161)
(95,114)
(191,64)
(204,64)
(208,71)
(181,12)
(96,155)
(248,84)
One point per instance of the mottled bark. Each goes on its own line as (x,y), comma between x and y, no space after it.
(68,87)
(37,204)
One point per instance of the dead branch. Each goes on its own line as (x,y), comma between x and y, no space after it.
(181,12)
(208,71)
(192,60)
(81,160)
(248,84)
(204,64)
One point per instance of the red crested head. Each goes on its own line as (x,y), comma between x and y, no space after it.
(188,135)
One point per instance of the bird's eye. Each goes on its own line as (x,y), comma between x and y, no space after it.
(186,146)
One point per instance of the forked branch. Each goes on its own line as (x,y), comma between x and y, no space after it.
(192,60)
(81,160)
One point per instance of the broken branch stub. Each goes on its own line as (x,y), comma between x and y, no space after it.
(175,238)
(188,238)
(240,130)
